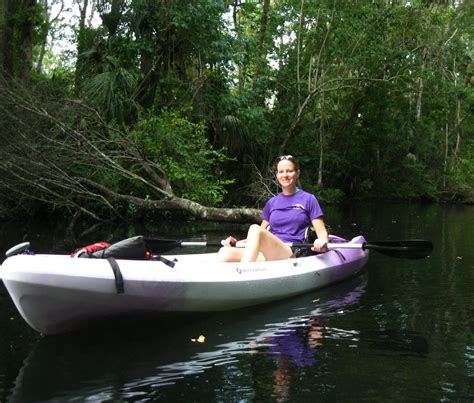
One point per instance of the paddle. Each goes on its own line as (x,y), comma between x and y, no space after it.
(405,249)
(168,244)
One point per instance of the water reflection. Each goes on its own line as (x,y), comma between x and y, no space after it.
(132,361)
(400,342)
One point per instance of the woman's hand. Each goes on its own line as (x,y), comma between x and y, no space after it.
(229,241)
(320,245)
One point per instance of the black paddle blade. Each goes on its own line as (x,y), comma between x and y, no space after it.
(407,249)
(162,245)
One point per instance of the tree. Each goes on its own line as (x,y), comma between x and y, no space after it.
(90,166)
(20,17)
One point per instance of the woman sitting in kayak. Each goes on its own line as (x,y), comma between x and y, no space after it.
(288,214)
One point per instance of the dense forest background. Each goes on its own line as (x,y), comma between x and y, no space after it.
(111,108)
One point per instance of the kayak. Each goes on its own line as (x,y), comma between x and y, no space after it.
(56,293)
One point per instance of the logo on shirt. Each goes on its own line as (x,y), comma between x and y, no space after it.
(298,207)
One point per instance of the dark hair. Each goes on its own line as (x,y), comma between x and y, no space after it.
(286,157)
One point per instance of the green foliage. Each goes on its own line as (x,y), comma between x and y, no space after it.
(412,181)
(330,196)
(181,149)
(460,177)
(380,95)
(112,90)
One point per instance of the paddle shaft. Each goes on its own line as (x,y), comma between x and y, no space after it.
(330,246)
(407,249)
(183,244)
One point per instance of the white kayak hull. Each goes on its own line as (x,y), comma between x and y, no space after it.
(56,293)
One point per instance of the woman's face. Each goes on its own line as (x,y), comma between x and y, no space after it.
(287,174)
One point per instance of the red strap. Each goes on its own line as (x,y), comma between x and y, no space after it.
(91,248)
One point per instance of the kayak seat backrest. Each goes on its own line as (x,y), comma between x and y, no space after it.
(310,237)
(131,249)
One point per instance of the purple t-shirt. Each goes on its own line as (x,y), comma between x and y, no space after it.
(289,216)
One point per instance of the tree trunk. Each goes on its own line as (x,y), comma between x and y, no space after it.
(240,64)
(321,144)
(446,144)
(263,26)
(196,210)
(421,85)
(80,45)
(44,38)
(25,41)
(457,125)
(9,9)
(457,117)
(298,56)
(419,99)
(112,19)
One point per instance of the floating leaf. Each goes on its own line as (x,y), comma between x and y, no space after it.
(200,339)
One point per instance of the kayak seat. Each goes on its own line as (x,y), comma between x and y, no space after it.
(310,237)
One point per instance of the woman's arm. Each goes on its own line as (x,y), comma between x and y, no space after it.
(322,233)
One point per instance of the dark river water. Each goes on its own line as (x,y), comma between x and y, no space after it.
(401,331)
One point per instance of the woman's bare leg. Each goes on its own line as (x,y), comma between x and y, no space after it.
(230,254)
(233,254)
(261,240)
